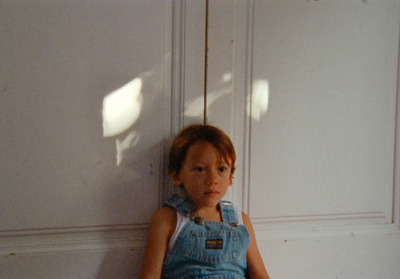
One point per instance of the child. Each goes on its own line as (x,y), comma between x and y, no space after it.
(200,236)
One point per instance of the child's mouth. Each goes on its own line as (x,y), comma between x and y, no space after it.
(211,193)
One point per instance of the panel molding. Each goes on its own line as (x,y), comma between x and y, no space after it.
(321,217)
(129,236)
(176,88)
(248,101)
(321,221)
(350,231)
(72,239)
(396,163)
(297,226)
(242,66)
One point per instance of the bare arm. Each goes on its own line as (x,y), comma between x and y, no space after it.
(161,226)
(255,265)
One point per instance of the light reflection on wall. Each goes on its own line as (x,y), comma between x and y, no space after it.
(195,108)
(259,99)
(121,109)
(256,105)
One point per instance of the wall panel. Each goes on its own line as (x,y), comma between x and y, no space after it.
(73,182)
(317,171)
(325,149)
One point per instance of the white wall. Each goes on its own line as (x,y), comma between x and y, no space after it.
(67,209)
(316,172)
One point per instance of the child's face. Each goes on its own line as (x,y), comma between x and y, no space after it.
(205,174)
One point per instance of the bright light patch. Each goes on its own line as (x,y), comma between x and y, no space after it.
(259,99)
(130,141)
(196,107)
(121,108)
(227,77)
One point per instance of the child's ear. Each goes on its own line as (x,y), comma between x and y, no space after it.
(231,176)
(175,178)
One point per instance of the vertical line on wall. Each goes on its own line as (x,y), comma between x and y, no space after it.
(167,97)
(177,86)
(247,122)
(205,64)
(396,163)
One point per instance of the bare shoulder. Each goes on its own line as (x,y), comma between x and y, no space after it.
(249,227)
(244,215)
(165,218)
(165,214)
(255,263)
(246,221)
(162,224)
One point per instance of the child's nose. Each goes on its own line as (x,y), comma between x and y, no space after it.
(212,178)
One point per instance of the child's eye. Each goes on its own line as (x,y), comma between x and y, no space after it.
(222,169)
(199,169)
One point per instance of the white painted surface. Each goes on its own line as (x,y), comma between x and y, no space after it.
(100,264)
(67,209)
(59,60)
(315,172)
(326,147)
(194,58)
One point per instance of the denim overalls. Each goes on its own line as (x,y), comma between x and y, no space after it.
(207,250)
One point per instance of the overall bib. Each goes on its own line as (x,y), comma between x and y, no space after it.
(205,249)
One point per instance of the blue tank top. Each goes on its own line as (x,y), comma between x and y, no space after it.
(206,249)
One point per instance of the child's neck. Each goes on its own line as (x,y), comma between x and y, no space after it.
(208,213)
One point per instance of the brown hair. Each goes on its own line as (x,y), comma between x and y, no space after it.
(200,133)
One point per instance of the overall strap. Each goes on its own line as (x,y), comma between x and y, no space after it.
(180,204)
(228,212)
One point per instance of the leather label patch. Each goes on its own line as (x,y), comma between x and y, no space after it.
(214,243)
